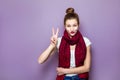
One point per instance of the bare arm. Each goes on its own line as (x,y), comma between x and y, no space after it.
(77,70)
(45,55)
(51,48)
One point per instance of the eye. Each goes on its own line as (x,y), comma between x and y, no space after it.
(68,26)
(75,25)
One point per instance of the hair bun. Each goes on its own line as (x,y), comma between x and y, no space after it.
(70,10)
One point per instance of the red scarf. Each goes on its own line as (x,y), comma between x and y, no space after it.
(64,52)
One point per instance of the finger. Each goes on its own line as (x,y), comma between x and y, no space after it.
(53,40)
(57,32)
(57,69)
(53,31)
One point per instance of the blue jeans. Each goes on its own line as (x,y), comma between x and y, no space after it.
(76,77)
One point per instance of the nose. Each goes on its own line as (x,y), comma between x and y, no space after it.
(71,28)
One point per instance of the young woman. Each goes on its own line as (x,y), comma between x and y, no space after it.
(73,50)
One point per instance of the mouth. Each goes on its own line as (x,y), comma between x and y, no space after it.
(72,32)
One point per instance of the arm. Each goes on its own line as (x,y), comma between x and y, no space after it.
(51,48)
(45,55)
(80,69)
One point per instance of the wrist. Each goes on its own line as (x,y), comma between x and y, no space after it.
(52,45)
(66,71)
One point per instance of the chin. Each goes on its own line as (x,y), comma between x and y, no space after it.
(72,35)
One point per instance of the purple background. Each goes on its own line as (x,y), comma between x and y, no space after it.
(25,31)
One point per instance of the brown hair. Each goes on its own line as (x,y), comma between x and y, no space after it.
(70,14)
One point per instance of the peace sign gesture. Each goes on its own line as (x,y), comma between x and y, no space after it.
(54,37)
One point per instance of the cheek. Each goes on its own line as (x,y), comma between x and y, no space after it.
(67,29)
(76,28)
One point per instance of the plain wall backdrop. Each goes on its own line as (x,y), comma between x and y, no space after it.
(25,31)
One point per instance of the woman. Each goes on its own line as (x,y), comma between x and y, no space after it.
(73,49)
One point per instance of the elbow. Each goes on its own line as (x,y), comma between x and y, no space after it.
(40,61)
(87,68)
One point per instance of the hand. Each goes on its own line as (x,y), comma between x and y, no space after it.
(54,37)
(60,71)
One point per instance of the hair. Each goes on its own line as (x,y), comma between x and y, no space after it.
(70,14)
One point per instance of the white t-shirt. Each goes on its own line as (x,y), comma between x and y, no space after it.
(72,53)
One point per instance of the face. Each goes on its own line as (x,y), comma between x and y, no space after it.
(71,27)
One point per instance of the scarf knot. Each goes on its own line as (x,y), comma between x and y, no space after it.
(71,40)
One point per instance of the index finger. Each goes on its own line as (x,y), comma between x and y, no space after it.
(53,31)
(57,32)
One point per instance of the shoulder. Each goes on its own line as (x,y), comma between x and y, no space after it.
(59,38)
(87,41)
(59,41)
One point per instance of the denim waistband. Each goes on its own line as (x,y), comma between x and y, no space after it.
(75,77)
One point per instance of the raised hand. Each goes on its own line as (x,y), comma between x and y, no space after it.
(54,37)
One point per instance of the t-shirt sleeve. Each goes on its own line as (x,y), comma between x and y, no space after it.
(87,41)
(58,43)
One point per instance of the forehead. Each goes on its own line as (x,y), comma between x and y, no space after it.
(71,21)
